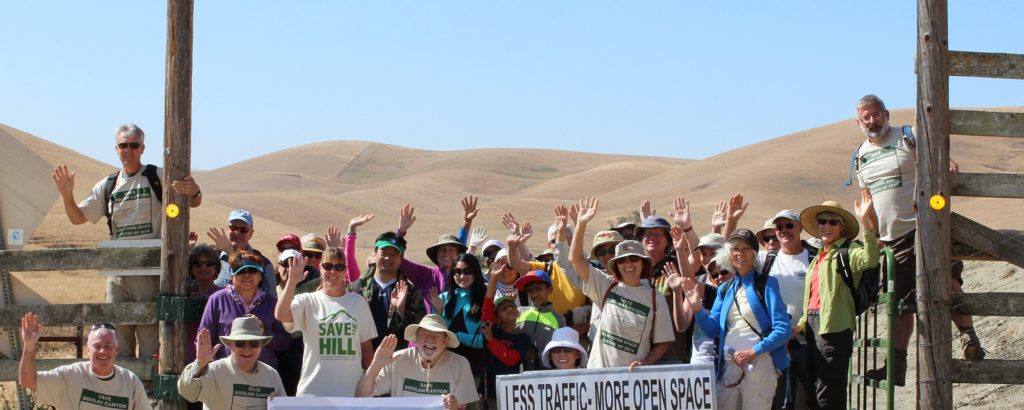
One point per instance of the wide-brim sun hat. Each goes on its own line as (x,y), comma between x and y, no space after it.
(314,243)
(808,218)
(653,222)
(433,323)
(626,249)
(604,238)
(769,225)
(564,337)
(446,239)
(245,328)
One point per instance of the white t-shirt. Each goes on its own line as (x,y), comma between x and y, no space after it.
(624,325)
(334,330)
(75,386)
(406,377)
(739,335)
(889,170)
(225,386)
(791,271)
(136,212)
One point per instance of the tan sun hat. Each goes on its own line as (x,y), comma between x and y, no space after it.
(245,328)
(769,225)
(808,218)
(627,249)
(433,323)
(446,239)
(604,238)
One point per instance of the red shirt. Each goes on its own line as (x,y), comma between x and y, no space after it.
(814,300)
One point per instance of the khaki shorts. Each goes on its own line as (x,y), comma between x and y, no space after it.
(905,253)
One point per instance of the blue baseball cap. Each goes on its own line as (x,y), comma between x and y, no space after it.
(653,222)
(247,264)
(530,277)
(240,215)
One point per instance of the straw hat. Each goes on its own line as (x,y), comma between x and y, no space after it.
(564,337)
(808,218)
(603,238)
(446,239)
(433,323)
(245,328)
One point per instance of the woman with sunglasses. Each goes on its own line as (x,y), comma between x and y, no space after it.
(204,266)
(243,297)
(752,325)
(636,336)
(564,351)
(828,312)
(337,328)
(461,306)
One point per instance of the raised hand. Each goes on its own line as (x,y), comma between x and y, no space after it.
(65,181)
(498,268)
(574,213)
(674,278)
(561,217)
(510,222)
(187,186)
(333,237)
(385,353)
(406,219)
(296,271)
(720,217)
(220,240)
(681,214)
(205,353)
(435,301)
(513,241)
(30,330)
(469,208)
(588,209)
(526,231)
(679,240)
(645,210)
(193,239)
(479,236)
(692,295)
(359,221)
(736,207)
(399,294)
(865,207)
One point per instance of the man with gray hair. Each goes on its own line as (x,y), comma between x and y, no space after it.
(886,165)
(131,199)
(93,384)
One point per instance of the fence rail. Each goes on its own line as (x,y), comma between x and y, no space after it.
(144,368)
(80,258)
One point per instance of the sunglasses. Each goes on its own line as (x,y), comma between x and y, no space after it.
(833,222)
(723,272)
(600,253)
(787,225)
(203,264)
(312,255)
(628,236)
(463,272)
(252,343)
(124,145)
(247,271)
(770,238)
(99,326)
(562,349)
(490,254)
(240,229)
(633,258)
(333,266)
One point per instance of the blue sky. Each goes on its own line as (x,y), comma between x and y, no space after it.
(680,79)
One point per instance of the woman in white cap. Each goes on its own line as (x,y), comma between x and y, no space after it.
(633,327)
(564,351)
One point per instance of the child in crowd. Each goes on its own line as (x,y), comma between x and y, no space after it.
(539,320)
(506,348)
(506,277)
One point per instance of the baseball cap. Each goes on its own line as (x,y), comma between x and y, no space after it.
(289,238)
(711,241)
(788,214)
(747,236)
(383,243)
(240,215)
(530,277)
(290,253)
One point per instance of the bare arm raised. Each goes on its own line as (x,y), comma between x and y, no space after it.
(588,209)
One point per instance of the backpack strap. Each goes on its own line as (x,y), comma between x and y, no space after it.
(908,136)
(844,264)
(108,191)
(548,267)
(769,260)
(736,303)
(154,182)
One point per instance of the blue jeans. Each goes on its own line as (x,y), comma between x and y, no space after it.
(786,390)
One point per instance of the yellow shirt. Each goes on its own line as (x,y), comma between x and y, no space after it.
(564,295)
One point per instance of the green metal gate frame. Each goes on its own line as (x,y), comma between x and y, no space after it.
(858,394)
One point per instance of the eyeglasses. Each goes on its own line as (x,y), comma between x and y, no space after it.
(240,229)
(833,222)
(430,336)
(600,253)
(770,238)
(203,264)
(460,271)
(333,266)
(562,349)
(654,234)
(98,326)
(252,343)
(125,145)
(312,255)
(787,225)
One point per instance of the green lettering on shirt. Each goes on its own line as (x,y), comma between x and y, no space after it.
(418,387)
(612,340)
(130,195)
(256,392)
(885,184)
(135,230)
(628,305)
(103,400)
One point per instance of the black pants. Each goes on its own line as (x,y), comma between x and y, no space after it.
(829,363)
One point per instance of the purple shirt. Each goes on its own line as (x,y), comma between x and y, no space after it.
(193,334)
(222,309)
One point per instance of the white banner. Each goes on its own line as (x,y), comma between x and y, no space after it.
(673,387)
(349,403)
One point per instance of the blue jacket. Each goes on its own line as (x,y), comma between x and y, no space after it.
(777,320)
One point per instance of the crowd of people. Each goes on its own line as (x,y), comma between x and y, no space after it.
(767,310)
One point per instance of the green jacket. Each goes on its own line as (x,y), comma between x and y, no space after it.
(415,310)
(837,311)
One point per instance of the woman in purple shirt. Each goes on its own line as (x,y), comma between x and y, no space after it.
(243,297)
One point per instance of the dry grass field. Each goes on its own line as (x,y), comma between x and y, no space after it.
(306,188)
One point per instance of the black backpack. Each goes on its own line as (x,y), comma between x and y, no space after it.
(866,293)
(760,283)
(108,189)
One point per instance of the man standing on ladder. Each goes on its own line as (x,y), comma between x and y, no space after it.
(886,165)
(132,201)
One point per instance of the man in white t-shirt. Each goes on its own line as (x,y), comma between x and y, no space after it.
(92,385)
(239,381)
(130,199)
(886,165)
(426,370)
(789,265)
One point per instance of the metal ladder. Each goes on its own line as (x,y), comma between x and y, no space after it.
(863,392)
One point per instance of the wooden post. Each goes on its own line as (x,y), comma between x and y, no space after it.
(177,164)
(934,359)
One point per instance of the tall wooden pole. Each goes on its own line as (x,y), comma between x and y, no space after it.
(934,360)
(177,165)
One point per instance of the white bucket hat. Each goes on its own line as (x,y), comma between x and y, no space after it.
(564,337)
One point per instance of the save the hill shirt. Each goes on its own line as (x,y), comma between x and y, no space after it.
(136,211)
(406,377)
(333,329)
(75,386)
(222,385)
(627,322)
(889,169)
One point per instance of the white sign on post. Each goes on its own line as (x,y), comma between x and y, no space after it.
(349,403)
(673,387)
(15,237)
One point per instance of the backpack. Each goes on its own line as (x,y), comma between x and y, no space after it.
(866,293)
(908,137)
(769,259)
(108,190)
